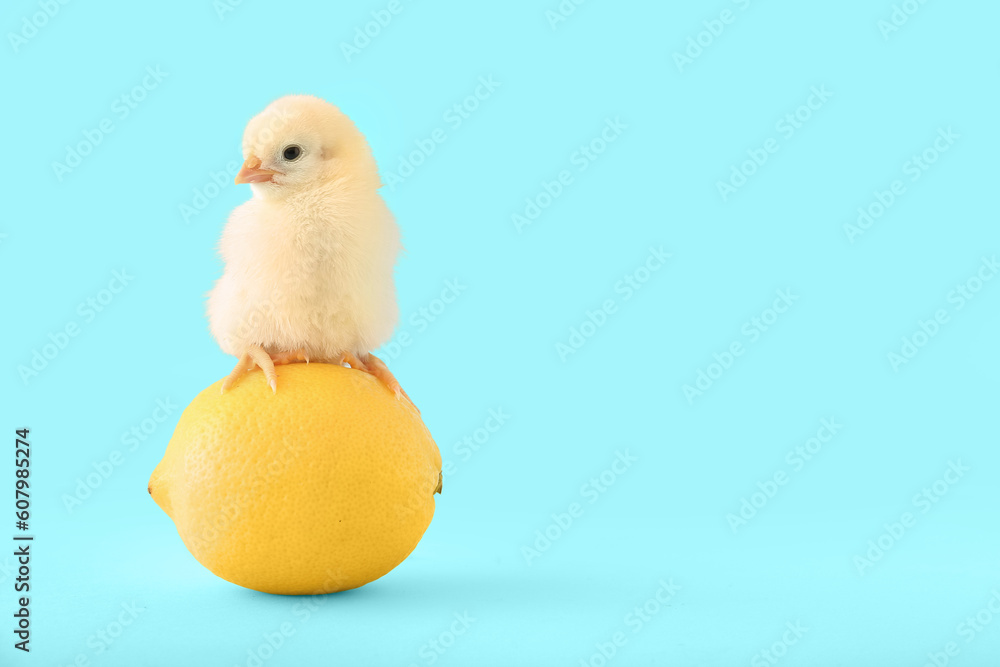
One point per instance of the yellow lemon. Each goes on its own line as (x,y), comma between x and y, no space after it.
(324,486)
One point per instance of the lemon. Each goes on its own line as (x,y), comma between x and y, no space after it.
(324,486)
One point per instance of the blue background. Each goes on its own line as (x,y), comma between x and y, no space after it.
(496,347)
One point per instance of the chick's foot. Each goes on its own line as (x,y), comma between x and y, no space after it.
(372,365)
(290,357)
(255,355)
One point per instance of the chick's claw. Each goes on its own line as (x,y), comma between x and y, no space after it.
(242,366)
(377,367)
(256,355)
(372,365)
(354,362)
(263,359)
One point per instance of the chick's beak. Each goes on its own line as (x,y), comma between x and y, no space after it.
(251,172)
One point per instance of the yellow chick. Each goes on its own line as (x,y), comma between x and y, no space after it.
(309,259)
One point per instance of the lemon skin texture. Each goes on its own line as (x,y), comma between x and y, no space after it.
(324,486)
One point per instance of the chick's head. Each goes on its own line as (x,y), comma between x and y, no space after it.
(299,142)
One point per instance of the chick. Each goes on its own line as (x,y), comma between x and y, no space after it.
(309,259)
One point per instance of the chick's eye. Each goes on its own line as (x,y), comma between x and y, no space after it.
(291,153)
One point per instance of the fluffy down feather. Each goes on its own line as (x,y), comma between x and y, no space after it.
(309,259)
